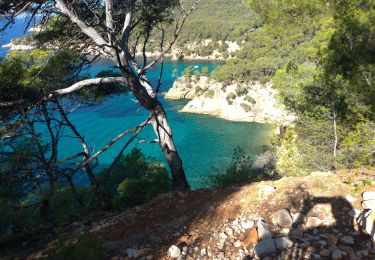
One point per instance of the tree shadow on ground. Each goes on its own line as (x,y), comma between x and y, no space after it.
(191,220)
(327,228)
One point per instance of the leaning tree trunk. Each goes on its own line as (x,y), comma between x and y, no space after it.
(164,134)
(148,99)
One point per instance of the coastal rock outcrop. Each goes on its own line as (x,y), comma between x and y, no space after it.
(236,101)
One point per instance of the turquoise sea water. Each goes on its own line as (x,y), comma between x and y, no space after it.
(205,143)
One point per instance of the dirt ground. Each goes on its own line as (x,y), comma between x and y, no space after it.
(194,219)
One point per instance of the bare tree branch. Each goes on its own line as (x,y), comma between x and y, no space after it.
(87,82)
(176,33)
(85,28)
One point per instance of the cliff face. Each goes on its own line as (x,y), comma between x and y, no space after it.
(236,102)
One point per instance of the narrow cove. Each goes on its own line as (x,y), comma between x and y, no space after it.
(205,143)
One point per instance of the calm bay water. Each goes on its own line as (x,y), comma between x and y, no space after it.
(205,143)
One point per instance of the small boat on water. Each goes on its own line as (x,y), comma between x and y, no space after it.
(196,67)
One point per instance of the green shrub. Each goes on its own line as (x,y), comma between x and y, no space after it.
(84,247)
(230,97)
(239,170)
(17,224)
(266,163)
(246,107)
(209,93)
(241,90)
(358,147)
(139,190)
(187,72)
(289,160)
(63,206)
(198,90)
(250,99)
(135,180)
(197,75)
(307,147)
(204,71)
(206,50)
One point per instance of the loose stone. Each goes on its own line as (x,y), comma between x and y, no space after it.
(265,247)
(325,252)
(283,218)
(247,224)
(135,253)
(368,195)
(348,240)
(337,255)
(237,243)
(229,231)
(283,243)
(263,230)
(313,222)
(174,251)
(251,239)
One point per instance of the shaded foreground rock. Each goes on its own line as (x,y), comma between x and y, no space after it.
(283,243)
(283,218)
(265,247)
(263,229)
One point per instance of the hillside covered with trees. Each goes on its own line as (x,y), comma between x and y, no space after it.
(320,56)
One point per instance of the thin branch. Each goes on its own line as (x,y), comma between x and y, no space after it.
(176,33)
(110,143)
(131,139)
(85,28)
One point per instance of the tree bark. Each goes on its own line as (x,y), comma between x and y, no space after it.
(166,142)
(148,99)
(335,132)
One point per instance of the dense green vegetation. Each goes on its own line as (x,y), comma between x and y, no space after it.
(38,192)
(133,181)
(243,169)
(216,20)
(83,247)
(219,20)
(323,69)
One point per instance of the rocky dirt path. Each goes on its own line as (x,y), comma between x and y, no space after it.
(321,216)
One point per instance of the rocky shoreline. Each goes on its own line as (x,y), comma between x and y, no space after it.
(235,102)
(176,53)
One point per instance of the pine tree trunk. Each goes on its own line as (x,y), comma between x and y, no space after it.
(335,132)
(166,142)
(148,99)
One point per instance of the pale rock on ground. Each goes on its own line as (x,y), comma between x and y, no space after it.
(366,217)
